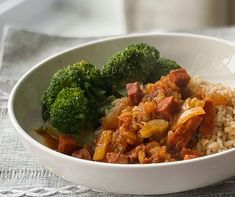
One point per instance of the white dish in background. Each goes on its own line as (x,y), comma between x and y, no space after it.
(208,57)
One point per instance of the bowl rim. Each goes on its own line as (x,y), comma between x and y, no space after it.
(44,148)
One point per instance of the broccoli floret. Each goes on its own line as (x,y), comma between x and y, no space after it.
(129,65)
(162,68)
(81,74)
(70,113)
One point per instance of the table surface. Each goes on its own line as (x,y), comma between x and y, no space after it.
(20,174)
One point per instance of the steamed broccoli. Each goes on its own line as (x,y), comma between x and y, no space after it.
(81,74)
(79,94)
(70,111)
(162,68)
(132,64)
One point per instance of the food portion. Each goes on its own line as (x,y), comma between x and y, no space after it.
(139,108)
(70,97)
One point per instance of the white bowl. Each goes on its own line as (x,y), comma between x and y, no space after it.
(209,57)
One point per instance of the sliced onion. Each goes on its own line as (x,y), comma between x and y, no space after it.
(192,102)
(195,111)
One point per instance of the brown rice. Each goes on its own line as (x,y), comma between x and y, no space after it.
(223,137)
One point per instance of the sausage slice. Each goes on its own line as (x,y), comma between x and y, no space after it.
(180,77)
(167,108)
(134,92)
(208,122)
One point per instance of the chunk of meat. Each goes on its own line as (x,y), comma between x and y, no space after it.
(67,144)
(208,122)
(167,108)
(182,135)
(134,92)
(82,154)
(180,77)
(116,158)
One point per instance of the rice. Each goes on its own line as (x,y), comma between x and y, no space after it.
(223,137)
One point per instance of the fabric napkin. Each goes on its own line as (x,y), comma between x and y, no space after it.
(20,173)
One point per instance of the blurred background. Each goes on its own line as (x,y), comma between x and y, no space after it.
(113,17)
